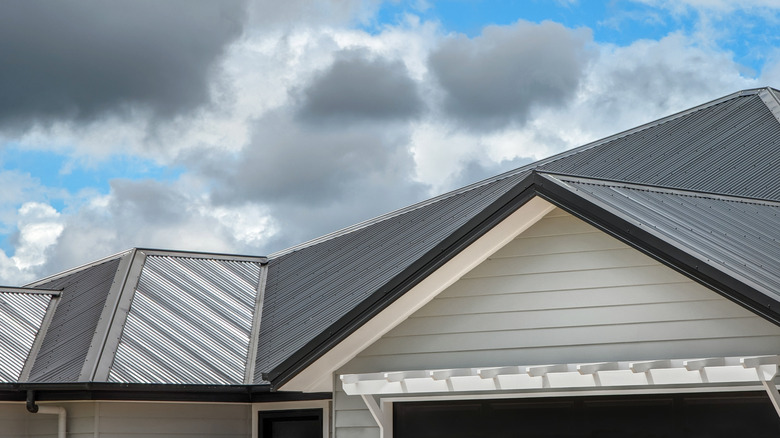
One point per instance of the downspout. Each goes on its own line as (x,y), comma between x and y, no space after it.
(61,413)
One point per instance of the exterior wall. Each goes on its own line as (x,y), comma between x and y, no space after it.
(352,418)
(16,422)
(195,420)
(562,292)
(130,419)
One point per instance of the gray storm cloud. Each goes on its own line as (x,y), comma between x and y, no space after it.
(356,87)
(498,77)
(316,179)
(80,59)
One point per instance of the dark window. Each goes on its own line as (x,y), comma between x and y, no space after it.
(298,423)
(713,415)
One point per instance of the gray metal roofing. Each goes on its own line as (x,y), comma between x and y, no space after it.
(740,236)
(21,316)
(189,322)
(69,335)
(731,148)
(309,289)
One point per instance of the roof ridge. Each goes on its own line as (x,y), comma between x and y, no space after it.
(402,210)
(648,125)
(769,97)
(660,189)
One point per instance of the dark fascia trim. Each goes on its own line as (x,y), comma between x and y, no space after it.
(659,249)
(152,392)
(395,288)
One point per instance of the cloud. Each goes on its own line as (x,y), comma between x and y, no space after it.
(497,78)
(38,227)
(314,180)
(360,87)
(307,13)
(155,214)
(82,60)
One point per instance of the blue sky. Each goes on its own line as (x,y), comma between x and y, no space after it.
(248,125)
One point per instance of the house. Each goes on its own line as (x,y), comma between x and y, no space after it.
(628,287)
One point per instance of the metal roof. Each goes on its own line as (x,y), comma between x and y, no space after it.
(21,315)
(189,322)
(68,338)
(731,147)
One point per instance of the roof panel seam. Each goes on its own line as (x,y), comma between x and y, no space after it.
(254,334)
(563,177)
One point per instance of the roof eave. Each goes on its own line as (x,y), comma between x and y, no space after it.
(151,392)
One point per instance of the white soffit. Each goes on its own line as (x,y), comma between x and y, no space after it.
(317,376)
(707,371)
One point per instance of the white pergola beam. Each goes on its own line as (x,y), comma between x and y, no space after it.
(723,370)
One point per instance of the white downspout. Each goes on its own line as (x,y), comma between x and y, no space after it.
(62,414)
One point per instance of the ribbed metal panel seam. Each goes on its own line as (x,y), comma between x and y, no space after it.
(114,333)
(771,101)
(254,335)
(106,318)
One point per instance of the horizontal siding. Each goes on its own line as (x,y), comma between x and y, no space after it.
(13,420)
(174,420)
(565,292)
(16,422)
(128,420)
(352,418)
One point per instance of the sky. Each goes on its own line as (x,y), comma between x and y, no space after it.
(249,126)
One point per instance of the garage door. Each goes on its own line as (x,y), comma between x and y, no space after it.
(726,415)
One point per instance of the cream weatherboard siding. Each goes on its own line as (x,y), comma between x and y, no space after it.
(561,292)
(131,420)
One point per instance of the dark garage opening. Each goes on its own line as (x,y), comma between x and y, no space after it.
(710,415)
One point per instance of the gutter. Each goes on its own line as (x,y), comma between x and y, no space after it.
(32,392)
(62,414)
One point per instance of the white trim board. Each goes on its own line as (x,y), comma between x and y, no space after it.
(693,372)
(317,377)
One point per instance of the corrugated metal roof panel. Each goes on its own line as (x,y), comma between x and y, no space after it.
(21,316)
(730,148)
(189,322)
(68,338)
(311,288)
(739,236)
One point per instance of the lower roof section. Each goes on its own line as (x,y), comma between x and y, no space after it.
(21,317)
